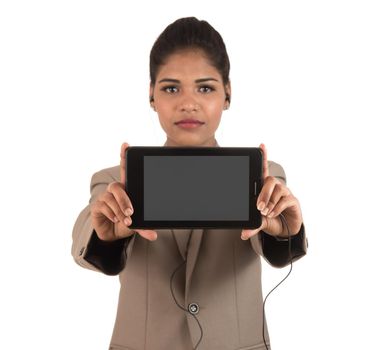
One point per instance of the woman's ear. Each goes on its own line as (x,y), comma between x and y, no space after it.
(151,96)
(227,95)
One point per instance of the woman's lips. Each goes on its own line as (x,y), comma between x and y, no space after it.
(189,124)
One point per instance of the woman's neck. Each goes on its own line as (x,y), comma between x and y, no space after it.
(211,143)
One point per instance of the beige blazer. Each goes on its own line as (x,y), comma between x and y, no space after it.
(219,285)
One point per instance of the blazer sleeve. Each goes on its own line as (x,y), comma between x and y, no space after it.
(87,249)
(278,252)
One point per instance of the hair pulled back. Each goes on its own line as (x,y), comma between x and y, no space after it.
(190,33)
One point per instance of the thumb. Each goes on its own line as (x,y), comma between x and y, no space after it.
(124,146)
(265,160)
(248,233)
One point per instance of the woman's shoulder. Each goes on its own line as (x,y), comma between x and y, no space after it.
(276,170)
(107,175)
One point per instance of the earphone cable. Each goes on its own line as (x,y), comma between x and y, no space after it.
(284,222)
(290,256)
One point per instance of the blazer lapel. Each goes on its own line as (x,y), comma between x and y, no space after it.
(194,248)
(190,253)
(181,237)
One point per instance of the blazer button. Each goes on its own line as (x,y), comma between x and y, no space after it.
(193,308)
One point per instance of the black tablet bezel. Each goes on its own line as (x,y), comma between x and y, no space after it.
(134,185)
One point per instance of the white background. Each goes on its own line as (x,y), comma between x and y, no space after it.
(308,79)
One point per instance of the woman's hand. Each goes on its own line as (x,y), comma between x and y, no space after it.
(111,212)
(275,198)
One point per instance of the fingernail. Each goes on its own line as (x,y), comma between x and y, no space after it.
(260,206)
(271,214)
(116,219)
(243,237)
(128,211)
(265,211)
(127,221)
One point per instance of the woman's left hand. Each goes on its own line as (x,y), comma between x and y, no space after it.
(275,198)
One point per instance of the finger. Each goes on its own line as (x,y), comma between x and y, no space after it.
(283,204)
(265,194)
(279,191)
(101,210)
(248,233)
(265,161)
(148,234)
(121,230)
(120,195)
(112,203)
(123,162)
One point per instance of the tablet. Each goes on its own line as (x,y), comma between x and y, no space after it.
(194,187)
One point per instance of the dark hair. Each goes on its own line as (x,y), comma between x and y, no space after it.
(187,33)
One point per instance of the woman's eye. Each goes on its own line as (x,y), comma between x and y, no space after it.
(206,89)
(170,89)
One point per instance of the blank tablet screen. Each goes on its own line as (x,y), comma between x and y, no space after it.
(190,188)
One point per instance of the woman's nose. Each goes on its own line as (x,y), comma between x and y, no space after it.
(188,103)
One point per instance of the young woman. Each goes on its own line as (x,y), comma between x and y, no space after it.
(188,289)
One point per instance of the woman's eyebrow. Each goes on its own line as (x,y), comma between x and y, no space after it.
(169,80)
(203,80)
(176,81)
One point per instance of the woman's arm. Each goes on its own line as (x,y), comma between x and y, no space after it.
(87,249)
(271,239)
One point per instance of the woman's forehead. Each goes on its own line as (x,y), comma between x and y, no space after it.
(192,64)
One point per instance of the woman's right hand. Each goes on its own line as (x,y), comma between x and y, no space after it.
(112,210)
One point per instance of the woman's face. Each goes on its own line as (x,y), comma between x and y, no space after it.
(189,97)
